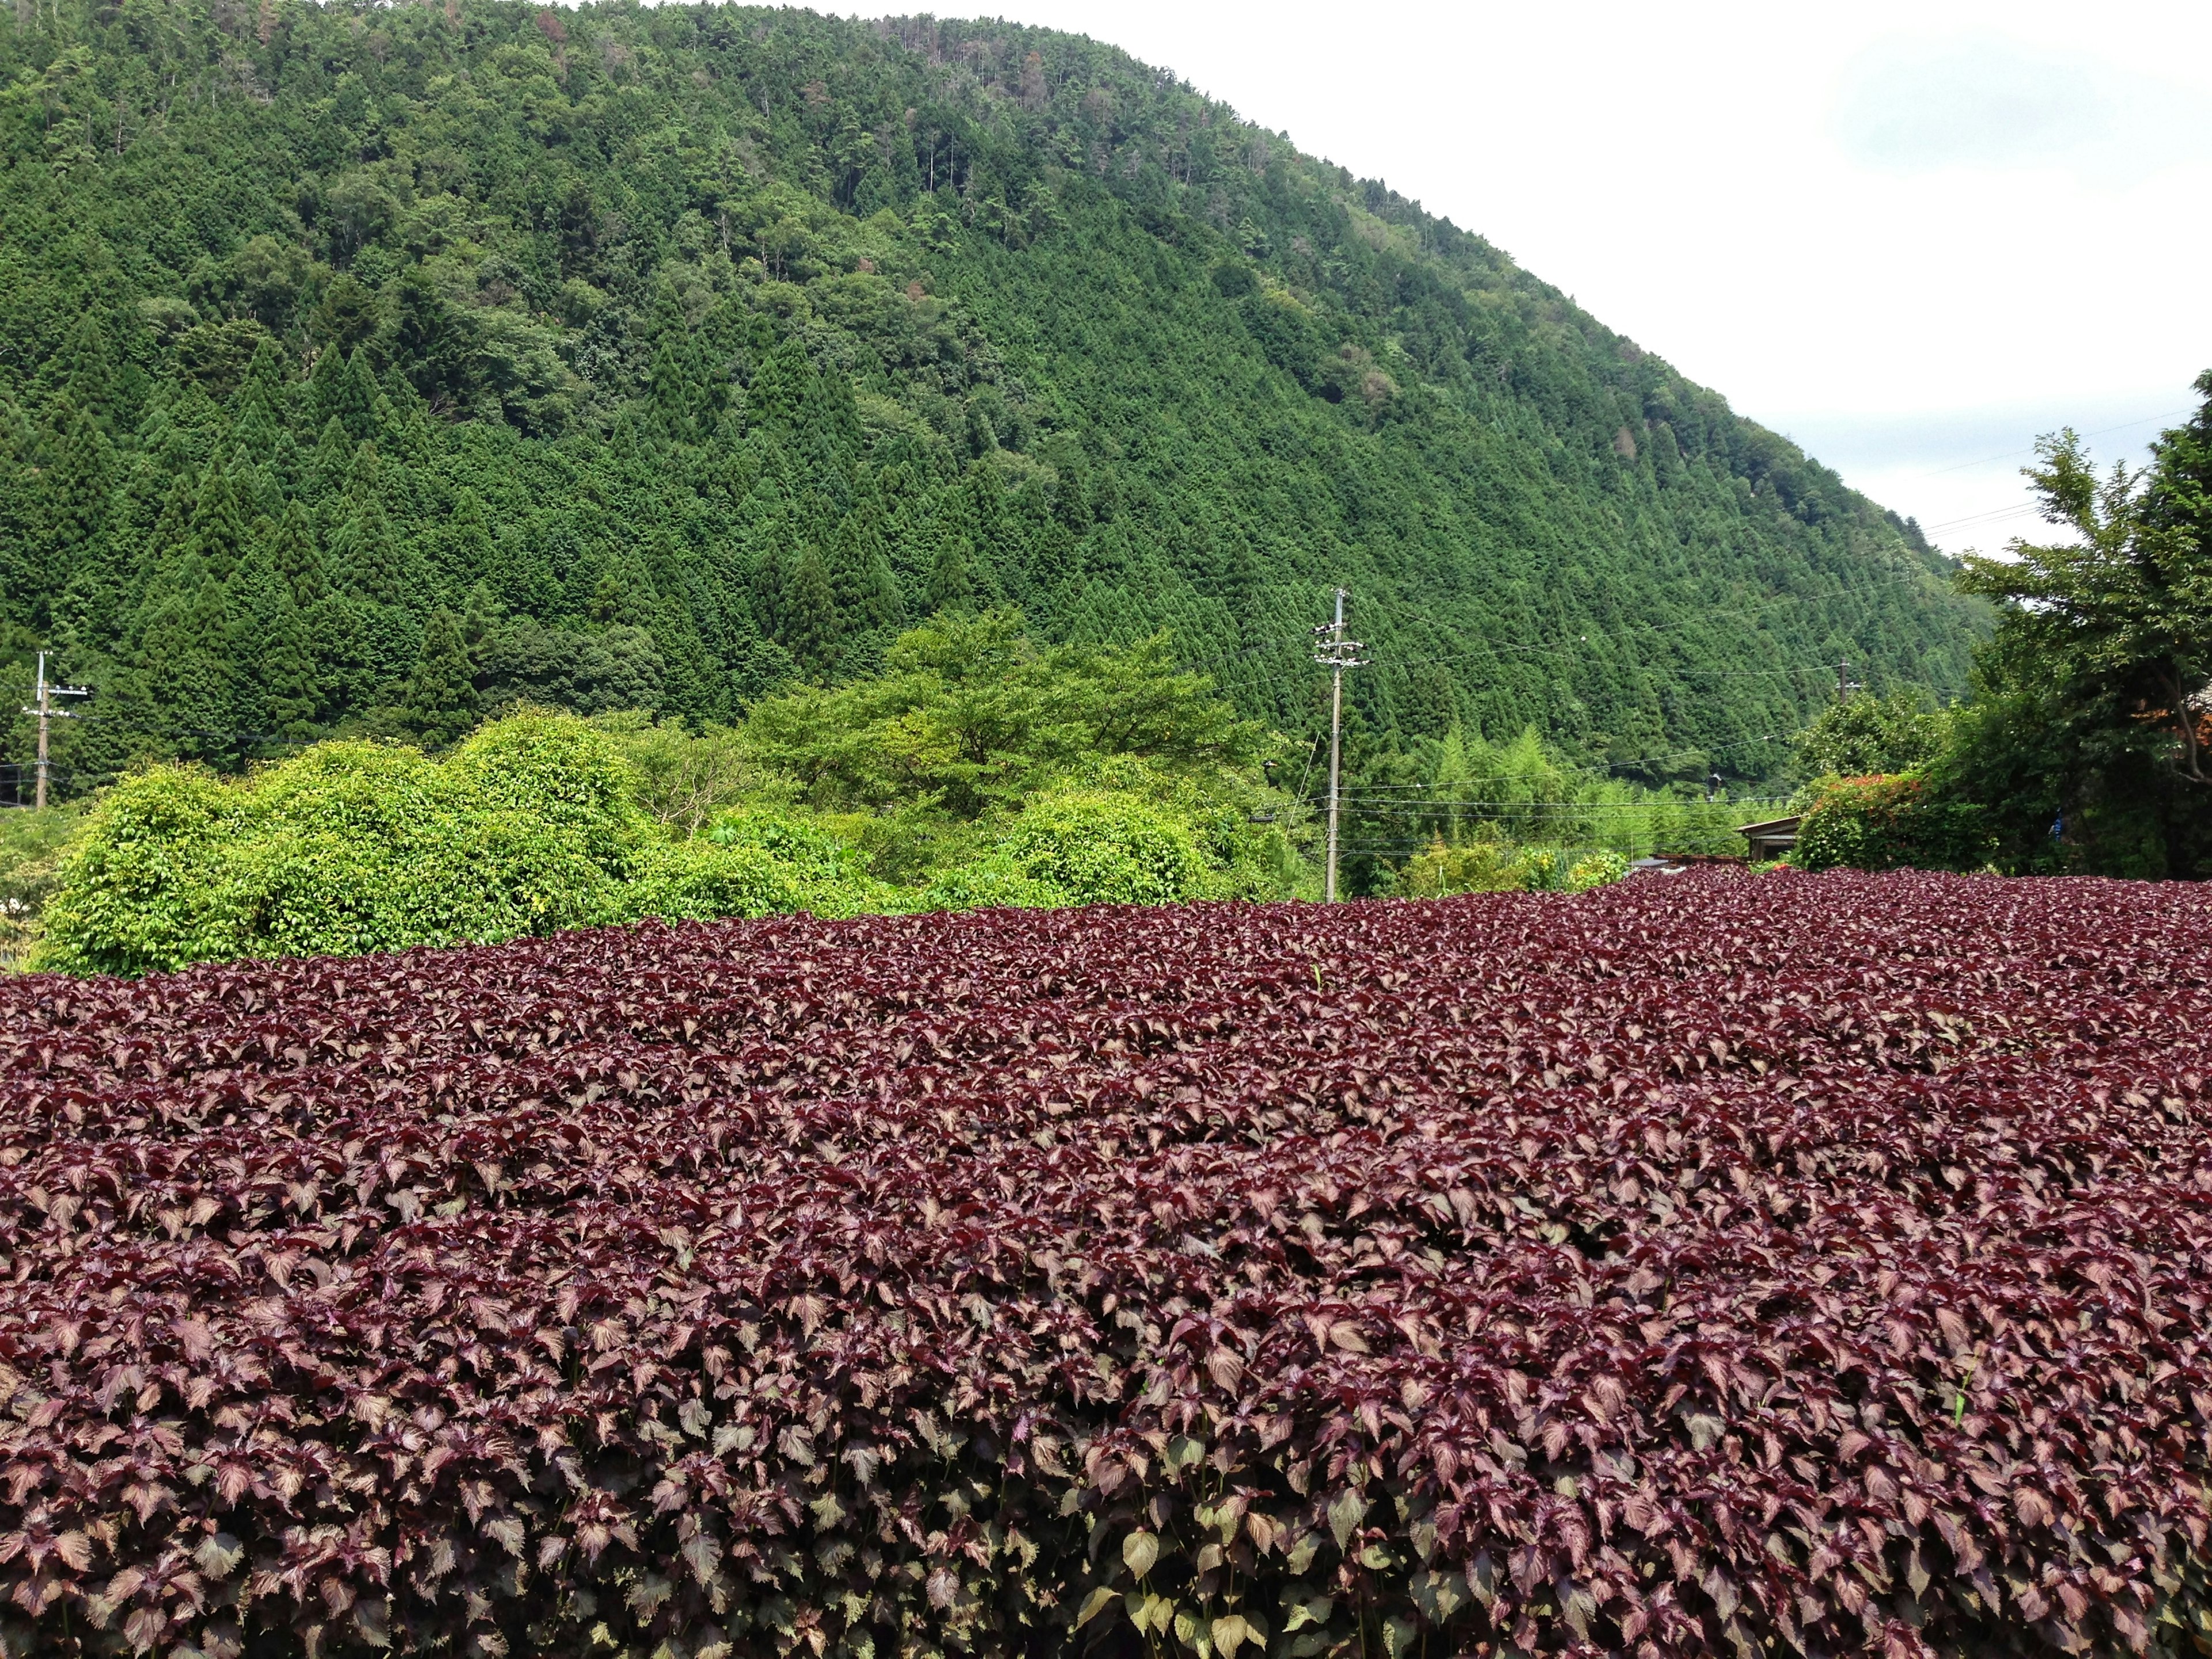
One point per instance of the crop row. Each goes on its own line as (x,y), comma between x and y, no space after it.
(1794,1264)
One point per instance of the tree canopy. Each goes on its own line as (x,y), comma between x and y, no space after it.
(2086,736)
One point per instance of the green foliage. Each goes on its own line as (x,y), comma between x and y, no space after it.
(699,880)
(689,355)
(1474,799)
(542,820)
(682,778)
(2086,739)
(1599,869)
(1488,862)
(991,883)
(442,697)
(31,844)
(1100,847)
(1864,734)
(1890,822)
(351,847)
(971,714)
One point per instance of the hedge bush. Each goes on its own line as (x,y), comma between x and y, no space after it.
(1892,822)
(351,847)
(532,826)
(1101,847)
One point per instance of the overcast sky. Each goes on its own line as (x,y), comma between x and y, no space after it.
(1912,236)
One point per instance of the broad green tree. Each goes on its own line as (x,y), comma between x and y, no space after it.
(2121,615)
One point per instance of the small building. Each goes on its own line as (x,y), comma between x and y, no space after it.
(1770,840)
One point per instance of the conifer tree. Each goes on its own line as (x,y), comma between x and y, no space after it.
(771,576)
(365,556)
(342,389)
(218,535)
(691,682)
(463,547)
(331,463)
(265,382)
(291,675)
(809,615)
(481,616)
(326,389)
(365,407)
(294,557)
(67,513)
(364,475)
(171,529)
(668,387)
(621,596)
(187,676)
(779,386)
(254,600)
(951,580)
(254,433)
(87,370)
(861,571)
(442,694)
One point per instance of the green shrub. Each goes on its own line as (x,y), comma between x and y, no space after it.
(1103,847)
(1888,822)
(557,768)
(1488,862)
(351,847)
(31,847)
(995,883)
(1596,869)
(1484,863)
(806,846)
(138,893)
(699,880)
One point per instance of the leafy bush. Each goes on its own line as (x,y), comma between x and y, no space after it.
(1889,823)
(1487,862)
(31,844)
(141,891)
(1863,735)
(757,863)
(1596,869)
(699,880)
(993,883)
(682,778)
(1719,1265)
(1100,847)
(351,847)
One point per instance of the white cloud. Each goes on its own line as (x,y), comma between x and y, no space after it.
(1911,104)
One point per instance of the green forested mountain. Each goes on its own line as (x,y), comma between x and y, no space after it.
(362,367)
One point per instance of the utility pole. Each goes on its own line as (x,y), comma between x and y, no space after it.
(44,709)
(1846,685)
(1336,654)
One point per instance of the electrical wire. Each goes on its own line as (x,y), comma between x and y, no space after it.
(1646,633)
(1937,472)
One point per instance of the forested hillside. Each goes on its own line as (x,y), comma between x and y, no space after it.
(363,369)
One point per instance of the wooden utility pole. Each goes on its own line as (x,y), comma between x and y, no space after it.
(1336,654)
(44,708)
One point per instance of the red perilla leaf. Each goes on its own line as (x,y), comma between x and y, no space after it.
(1706,1265)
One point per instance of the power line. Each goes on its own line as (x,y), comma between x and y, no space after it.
(1937,472)
(1646,633)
